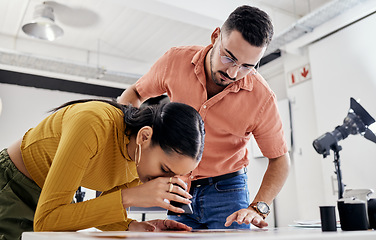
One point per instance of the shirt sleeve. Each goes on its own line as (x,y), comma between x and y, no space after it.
(79,142)
(152,84)
(269,133)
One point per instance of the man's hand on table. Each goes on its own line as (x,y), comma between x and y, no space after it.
(247,216)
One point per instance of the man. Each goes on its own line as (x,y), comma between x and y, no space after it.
(221,82)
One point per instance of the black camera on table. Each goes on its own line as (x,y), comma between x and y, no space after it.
(357,211)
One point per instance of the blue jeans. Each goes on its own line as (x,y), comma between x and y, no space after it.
(213,203)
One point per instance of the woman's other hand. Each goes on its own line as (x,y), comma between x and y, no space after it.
(158,225)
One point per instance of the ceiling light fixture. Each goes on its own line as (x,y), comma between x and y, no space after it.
(43,25)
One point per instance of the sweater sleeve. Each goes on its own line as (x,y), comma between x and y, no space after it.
(79,142)
(119,226)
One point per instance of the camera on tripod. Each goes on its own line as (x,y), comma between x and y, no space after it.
(356,210)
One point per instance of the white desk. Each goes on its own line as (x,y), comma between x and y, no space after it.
(290,233)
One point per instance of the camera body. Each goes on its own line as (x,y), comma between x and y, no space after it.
(353,216)
(372,213)
(356,210)
(186,207)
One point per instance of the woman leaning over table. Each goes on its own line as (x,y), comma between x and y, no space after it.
(103,146)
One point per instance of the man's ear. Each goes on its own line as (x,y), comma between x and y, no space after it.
(215,35)
(144,135)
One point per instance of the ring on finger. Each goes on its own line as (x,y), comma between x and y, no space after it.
(171,186)
(164,222)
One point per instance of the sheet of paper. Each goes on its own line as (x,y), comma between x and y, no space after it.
(210,234)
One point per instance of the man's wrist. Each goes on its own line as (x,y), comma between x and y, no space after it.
(262,208)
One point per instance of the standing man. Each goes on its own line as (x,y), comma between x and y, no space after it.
(235,102)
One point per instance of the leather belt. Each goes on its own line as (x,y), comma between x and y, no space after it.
(212,180)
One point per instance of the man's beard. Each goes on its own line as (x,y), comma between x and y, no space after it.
(218,82)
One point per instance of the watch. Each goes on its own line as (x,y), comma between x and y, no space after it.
(262,208)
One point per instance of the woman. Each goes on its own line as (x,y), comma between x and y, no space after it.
(102,146)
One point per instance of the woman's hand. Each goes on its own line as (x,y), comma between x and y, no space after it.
(157,226)
(154,193)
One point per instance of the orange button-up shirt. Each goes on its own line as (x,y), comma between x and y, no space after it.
(245,107)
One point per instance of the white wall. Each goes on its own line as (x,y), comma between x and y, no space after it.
(344,66)
(25,107)
(306,169)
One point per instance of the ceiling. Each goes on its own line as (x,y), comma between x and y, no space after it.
(123,37)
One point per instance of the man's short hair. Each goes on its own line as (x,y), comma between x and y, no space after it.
(254,24)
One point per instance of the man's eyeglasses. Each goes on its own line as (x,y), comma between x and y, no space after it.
(231,62)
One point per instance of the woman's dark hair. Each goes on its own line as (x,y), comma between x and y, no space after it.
(177,127)
(254,24)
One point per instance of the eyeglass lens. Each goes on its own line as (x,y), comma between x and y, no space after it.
(229,61)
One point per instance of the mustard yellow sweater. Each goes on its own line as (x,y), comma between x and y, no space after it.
(80,145)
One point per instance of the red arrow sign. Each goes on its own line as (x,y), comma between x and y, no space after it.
(292,79)
(305,72)
(300,74)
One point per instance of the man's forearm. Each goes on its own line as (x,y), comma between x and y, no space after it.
(274,179)
(130,96)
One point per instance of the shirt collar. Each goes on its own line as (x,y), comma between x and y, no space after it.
(245,83)
(199,57)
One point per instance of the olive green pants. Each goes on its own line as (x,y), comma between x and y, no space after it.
(18,200)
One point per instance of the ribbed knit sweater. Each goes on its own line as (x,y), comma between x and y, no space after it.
(80,145)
